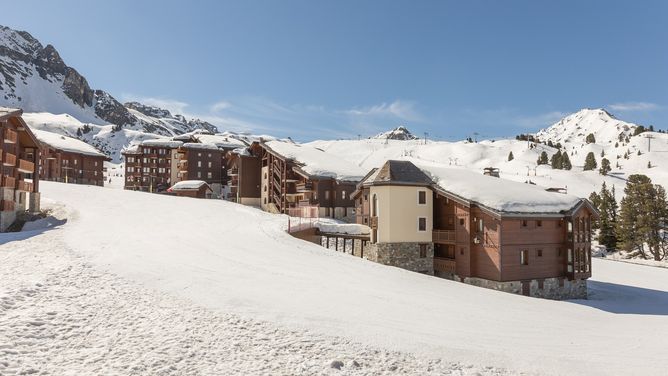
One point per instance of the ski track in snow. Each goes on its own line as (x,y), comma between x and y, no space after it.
(61,316)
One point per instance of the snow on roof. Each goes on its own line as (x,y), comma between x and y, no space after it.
(188,185)
(500,194)
(195,145)
(165,143)
(65,143)
(317,162)
(221,141)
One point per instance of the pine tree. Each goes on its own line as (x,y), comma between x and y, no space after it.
(605,167)
(79,134)
(590,161)
(616,144)
(590,139)
(566,162)
(510,156)
(642,217)
(602,153)
(556,159)
(542,159)
(649,164)
(607,208)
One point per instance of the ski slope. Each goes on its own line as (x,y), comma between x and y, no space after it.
(238,260)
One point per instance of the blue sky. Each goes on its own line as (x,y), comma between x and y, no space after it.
(336,69)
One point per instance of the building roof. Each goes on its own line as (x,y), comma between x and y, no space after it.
(67,144)
(399,173)
(164,143)
(187,185)
(6,112)
(315,162)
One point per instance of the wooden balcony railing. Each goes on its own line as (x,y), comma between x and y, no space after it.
(6,205)
(8,182)
(24,186)
(26,167)
(9,159)
(443,236)
(445,265)
(10,136)
(233,172)
(305,187)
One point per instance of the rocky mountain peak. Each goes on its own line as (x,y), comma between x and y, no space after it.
(398,133)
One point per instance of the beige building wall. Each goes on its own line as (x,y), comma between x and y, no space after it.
(174,169)
(398,213)
(264,187)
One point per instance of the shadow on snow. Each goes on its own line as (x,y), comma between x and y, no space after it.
(42,225)
(622,299)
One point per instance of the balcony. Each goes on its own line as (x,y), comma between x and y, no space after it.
(10,136)
(445,265)
(8,182)
(443,236)
(24,186)
(6,205)
(233,172)
(305,187)
(26,167)
(9,160)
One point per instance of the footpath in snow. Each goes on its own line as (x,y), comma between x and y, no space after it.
(222,260)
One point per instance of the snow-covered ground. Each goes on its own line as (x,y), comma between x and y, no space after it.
(149,281)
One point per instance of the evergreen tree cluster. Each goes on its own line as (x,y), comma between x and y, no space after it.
(560,161)
(590,162)
(606,204)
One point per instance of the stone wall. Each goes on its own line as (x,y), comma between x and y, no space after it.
(548,288)
(402,255)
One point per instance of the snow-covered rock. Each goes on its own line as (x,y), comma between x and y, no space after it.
(398,133)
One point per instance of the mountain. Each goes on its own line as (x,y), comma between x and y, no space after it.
(35,78)
(398,133)
(575,127)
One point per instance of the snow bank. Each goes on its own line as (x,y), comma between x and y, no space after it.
(318,162)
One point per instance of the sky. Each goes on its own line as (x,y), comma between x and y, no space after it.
(344,69)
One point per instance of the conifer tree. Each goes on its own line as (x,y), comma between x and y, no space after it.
(605,167)
(566,162)
(555,161)
(642,216)
(542,159)
(590,161)
(510,156)
(590,139)
(607,208)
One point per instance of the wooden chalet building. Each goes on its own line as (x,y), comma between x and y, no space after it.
(296,177)
(244,166)
(202,162)
(191,188)
(152,165)
(477,229)
(19,154)
(68,160)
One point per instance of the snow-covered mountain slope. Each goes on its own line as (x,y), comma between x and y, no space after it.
(398,133)
(575,127)
(371,153)
(36,79)
(334,294)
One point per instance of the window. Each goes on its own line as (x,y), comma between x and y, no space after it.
(343,195)
(326,195)
(422,198)
(209,155)
(199,174)
(265,188)
(422,224)
(525,223)
(209,164)
(75,162)
(366,197)
(539,253)
(539,223)
(524,257)
(423,250)
(461,221)
(95,173)
(199,154)
(209,175)
(461,251)
(481,225)
(145,160)
(199,163)
(95,163)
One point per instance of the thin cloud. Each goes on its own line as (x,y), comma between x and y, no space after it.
(634,106)
(399,109)
(540,120)
(176,107)
(219,106)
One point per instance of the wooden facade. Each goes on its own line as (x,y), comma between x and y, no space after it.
(150,167)
(202,162)
(19,154)
(244,171)
(71,167)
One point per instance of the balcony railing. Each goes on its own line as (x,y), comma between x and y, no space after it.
(26,167)
(9,159)
(233,172)
(10,136)
(443,236)
(305,187)
(445,265)
(8,182)
(24,186)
